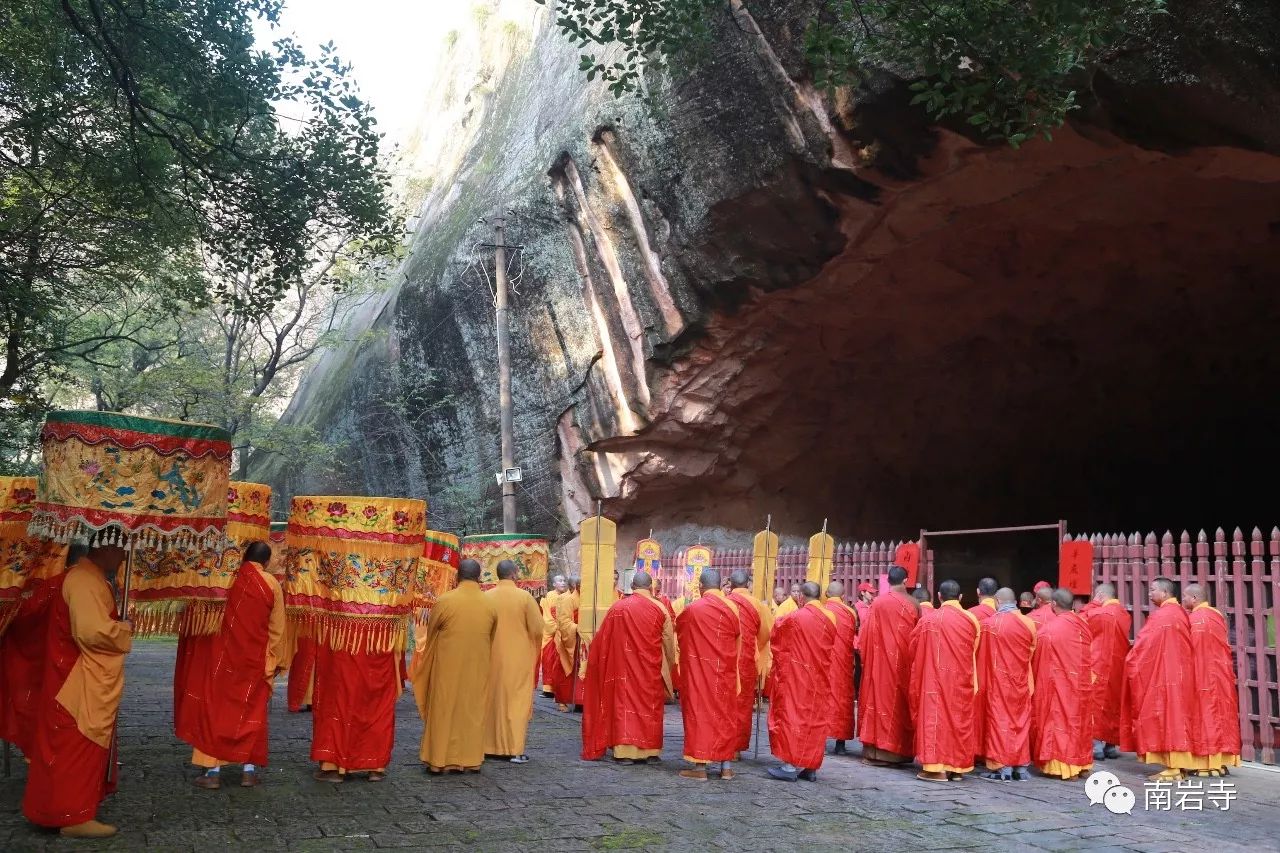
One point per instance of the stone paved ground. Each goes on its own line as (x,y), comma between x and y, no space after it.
(558,802)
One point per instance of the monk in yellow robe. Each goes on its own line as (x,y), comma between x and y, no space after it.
(569,691)
(449,683)
(550,656)
(791,605)
(779,596)
(79,696)
(512,663)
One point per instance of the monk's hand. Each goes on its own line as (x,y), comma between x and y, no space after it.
(127,624)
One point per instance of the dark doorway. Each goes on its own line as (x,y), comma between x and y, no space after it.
(1016,559)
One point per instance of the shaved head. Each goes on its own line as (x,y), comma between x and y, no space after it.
(810,590)
(507,570)
(987,586)
(949,590)
(779,595)
(469,570)
(739,579)
(1193,595)
(1044,594)
(920,594)
(709,579)
(641,580)
(1104,592)
(574,582)
(1004,595)
(1161,590)
(1063,599)
(835,589)
(897,576)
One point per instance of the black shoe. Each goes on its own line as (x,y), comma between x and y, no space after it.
(1021,775)
(840,749)
(808,775)
(1111,751)
(784,775)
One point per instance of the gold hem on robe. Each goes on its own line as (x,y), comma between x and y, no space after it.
(1172,760)
(633,753)
(1062,770)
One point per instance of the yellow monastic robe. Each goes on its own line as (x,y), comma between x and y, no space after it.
(450,683)
(785,608)
(516,644)
(548,633)
(92,691)
(566,630)
(764,658)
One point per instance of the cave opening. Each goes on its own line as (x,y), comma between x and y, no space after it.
(1016,559)
(1085,331)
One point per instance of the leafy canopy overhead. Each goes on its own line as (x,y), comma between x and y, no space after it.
(1006,66)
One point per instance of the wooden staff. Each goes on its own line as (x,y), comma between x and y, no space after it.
(122,608)
(768,528)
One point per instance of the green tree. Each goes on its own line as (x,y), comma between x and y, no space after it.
(1007,67)
(136,135)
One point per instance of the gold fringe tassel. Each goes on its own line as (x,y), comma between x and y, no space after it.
(185,618)
(354,634)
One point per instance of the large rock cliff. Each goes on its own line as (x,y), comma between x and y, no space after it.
(742,296)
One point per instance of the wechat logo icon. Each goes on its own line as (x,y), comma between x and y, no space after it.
(1103,788)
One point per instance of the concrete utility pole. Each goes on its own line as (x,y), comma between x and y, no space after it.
(505,419)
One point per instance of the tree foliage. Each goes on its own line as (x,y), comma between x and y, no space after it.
(145,164)
(1007,67)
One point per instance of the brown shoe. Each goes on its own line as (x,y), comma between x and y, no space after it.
(89,829)
(700,775)
(376,776)
(926,776)
(726,775)
(209,783)
(249,780)
(328,776)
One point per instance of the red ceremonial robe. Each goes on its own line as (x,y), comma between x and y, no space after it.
(1041,615)
(709,634)
(1062,744)
(944,683)
(864,613)
(1109,627)
(748,673)
(22,658)
(353,714)
(1159,689)
(302,674)
(195,658)
(840,670)
(229,719)
(800,708)
(623,690)
(1004,676)
(1215,731)
(984,609)
(884,719)
(80,692)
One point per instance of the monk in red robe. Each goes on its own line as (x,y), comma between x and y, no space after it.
(79,696)
(922,597)
(1159,694)
(624,692)
(1109,627)
(884,717)
(753,655)
(709,635)
(986,606)
(302,674)
(840,669)
(22,657)
(800,711)
(1062,743)
(1004,675)
(1215,733)
(944,684)
(1043,610)
(228,723)
(552,672)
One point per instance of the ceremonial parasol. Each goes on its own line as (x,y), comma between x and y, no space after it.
(24,560)
(437,570)
(352,569)
(530,554)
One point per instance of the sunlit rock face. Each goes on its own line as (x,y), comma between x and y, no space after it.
(746,297)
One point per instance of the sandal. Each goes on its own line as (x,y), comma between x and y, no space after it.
(377,776)
(1167,776)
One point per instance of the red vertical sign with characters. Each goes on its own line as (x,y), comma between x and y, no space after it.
(1075,566)
(908,556)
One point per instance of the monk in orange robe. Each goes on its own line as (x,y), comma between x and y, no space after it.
(921,595)
(986,606)
(513,664)
(779,596)
(1215,732)
(79,696)
(840,668)
(1004,676)
(1043,610)
(228,722)
(753,656)
(944,684)
(549,660)
(624,692)
(1109,627)
(1159,694)
(568,690)
(884,718)
(1062,743)
(800,710)
(302,671)
(22,657)
(710,637)
(790,605)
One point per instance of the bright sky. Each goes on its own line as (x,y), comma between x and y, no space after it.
(392,44)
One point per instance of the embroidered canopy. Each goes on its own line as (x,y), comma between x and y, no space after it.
(24,559)
(530,554)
